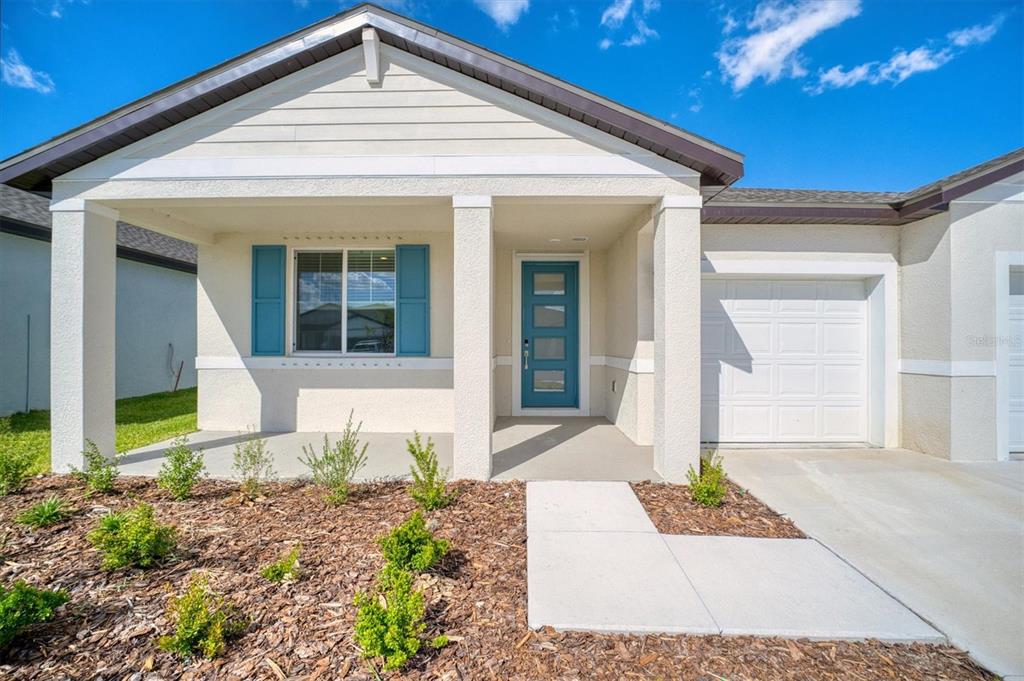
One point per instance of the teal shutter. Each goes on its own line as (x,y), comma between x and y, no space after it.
(413,300)
(268,272)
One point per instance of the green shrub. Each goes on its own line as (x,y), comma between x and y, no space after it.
(22,605)
(286,569)
(411,546)
(254,465)
(203,622)
(48,512)
(133,537)
(15,470)
(181,469)
(339,464)
(389,622)
(708,488)
(100,472)
(428,481)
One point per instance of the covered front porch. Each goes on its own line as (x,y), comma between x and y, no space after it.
(525,448)
(301,308)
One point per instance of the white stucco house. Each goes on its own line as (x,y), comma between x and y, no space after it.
(155,323)
(392,220)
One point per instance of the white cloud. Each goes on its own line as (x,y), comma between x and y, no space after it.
(614,16)
(903,63)
(778,31)
(978,34)
(696,101)
(301,4)
(641,33)
(504,12)
(729,24)
(16,73)
(615,13)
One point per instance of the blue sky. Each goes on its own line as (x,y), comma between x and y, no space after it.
(831,94)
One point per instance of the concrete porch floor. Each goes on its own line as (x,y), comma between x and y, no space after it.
(524,449)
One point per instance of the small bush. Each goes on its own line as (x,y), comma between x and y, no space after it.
(203,622)
(286,569)
(22,605)
(15,470)
(708,488)
(339,464)
(100,472)
(133,537)
(428,481)
(389,622)
(254,465)
(411,546)
(48,512)
(181,470)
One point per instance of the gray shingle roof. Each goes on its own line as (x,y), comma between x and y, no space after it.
(35,210)
(807,196)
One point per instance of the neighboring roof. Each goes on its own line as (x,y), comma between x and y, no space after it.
(28,214)
(35,168)
(807,206)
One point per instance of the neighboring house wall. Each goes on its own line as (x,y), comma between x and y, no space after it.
(155,307)
(950,340)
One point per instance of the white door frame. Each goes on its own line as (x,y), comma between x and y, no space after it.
(883,350)
(518,258)
(1005,261)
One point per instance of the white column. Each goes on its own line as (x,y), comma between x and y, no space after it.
(82,328)
(677,336)
(474,276)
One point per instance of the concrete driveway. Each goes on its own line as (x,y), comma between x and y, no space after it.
(946,539)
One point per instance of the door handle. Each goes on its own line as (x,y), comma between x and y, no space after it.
(526,354)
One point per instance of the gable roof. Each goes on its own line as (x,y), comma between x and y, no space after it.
(809,206)
(35,168)
(27,214)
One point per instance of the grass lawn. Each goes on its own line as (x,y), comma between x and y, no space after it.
(140,421)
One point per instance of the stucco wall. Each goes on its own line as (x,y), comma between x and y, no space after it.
(155,307)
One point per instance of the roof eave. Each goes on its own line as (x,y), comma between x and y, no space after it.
(34,169)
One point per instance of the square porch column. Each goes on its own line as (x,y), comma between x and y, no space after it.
(474,276)
(677,336)
(83,284)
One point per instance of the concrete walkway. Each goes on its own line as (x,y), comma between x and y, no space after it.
(596,562)
(945,538)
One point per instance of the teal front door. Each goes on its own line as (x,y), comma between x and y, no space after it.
(550,342)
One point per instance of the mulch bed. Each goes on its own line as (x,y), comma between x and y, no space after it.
(304,630)
(741,514)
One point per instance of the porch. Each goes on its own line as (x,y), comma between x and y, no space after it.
(525,448)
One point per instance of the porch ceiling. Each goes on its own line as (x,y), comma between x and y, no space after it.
(542,225)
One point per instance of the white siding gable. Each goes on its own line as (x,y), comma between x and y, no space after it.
(423,119)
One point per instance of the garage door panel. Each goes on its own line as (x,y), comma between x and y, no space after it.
(751,297)
(755,382)
(797,380)
(797,421)
(841,422)
(797,338)
(840,338)
(752,422)
(794,363)
(751,339)
(842,380)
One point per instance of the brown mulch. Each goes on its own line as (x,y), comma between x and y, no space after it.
(741,514)
(304,630)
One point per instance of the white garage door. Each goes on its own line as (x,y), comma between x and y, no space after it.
(1016,361)
(783,361)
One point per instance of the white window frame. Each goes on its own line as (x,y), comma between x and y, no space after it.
(292,302)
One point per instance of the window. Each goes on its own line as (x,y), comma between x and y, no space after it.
(345,297)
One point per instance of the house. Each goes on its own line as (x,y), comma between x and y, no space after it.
(392,220)
(155,318)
